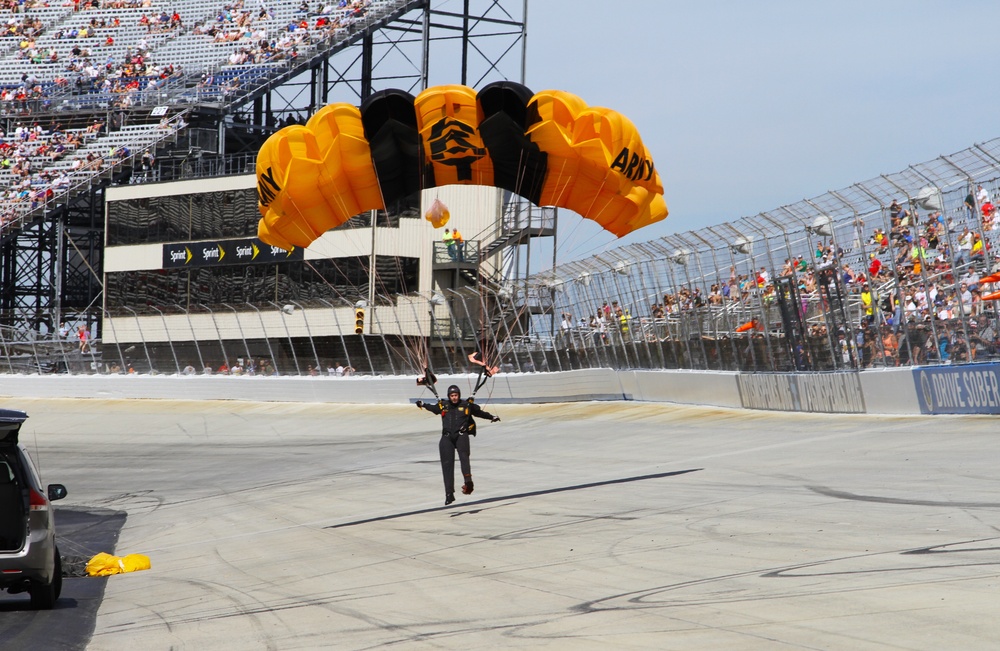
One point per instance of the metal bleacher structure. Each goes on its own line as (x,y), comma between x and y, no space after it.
(88,86)
(795,327)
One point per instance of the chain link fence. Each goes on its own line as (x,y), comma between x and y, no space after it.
(890,272)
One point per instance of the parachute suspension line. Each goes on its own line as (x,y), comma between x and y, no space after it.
(376,279)
(485,371)
(343,205)
(417,346)
(323,278)
(428,379)
(481,357)
(373,279)
(333,287)
(559,199)
(416,355)
(601,248)
(309,235)
(597,194)
(571,245)
(520,182)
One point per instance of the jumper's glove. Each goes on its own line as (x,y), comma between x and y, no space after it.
(420,404)
(495,419)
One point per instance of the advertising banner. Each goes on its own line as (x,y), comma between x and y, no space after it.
(831,393)
(966,389)
(225,252)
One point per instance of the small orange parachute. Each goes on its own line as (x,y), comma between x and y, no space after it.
(438,214)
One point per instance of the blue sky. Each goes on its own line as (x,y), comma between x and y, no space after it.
(747,106)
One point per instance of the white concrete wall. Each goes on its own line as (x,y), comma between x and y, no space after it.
(890,391)
(687,387)
(571,386)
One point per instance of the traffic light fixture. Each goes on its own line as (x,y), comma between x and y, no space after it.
(359,321)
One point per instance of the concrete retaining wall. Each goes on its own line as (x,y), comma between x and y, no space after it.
(929,390)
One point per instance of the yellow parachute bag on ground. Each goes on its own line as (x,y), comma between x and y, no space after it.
(106,564)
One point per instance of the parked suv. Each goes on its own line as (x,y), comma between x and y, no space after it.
(29,558)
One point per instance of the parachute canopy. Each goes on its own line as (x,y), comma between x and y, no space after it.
(438,214)
(549,147)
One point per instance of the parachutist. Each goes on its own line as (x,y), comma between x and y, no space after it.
(456,425)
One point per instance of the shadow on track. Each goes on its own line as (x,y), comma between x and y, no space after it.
(489,500)
(80,533)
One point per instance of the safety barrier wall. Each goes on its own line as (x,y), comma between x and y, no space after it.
(569,386)
(968,389)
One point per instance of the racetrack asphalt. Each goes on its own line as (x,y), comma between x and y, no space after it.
(592,526)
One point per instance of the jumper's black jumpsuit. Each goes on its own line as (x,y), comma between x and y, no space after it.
(456,425)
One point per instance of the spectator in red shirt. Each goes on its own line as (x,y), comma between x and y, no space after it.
(874,267)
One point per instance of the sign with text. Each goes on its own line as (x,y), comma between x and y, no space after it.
(225,252)
(829,393)
(967,389)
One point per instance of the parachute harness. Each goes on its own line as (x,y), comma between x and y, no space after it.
(485,372)
(429,380)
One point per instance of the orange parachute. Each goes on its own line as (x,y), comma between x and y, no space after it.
(438,214)
(549,147)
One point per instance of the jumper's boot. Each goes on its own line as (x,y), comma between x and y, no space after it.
(449,498)
(467,486)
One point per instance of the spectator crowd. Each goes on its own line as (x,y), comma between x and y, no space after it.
(908,292)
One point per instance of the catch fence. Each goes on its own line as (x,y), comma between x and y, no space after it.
(888,272)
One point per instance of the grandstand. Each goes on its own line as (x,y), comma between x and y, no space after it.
(133,60)
(118,106)
(129,135)
(872,275)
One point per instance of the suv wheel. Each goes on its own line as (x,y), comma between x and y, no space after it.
(44,596)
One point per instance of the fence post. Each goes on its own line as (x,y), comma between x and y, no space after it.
(111,322)
(267,339)
(340,331)
(142,339)
(218,334)
(381,332)
(312,343)
(288,335)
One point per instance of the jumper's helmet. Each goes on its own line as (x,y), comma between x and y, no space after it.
(454,389)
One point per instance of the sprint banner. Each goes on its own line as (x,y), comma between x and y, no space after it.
(225,252)
(967,389)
